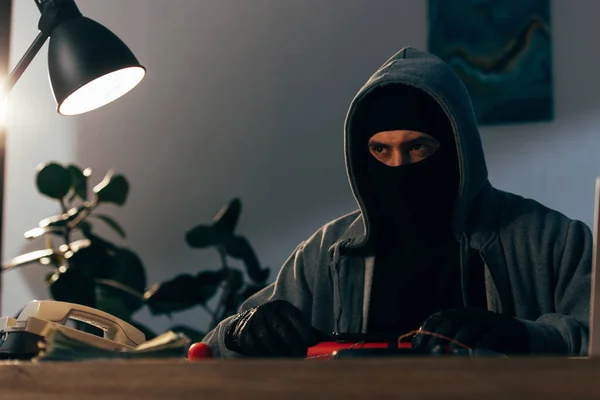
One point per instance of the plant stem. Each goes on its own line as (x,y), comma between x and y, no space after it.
(67,237)
(120,286)
(63,205)
(223,255)
(67,229)
(221,306)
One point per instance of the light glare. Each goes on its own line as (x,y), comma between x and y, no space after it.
(3,111)
(3,104)
(102,91)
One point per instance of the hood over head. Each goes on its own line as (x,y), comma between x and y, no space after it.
(429,74)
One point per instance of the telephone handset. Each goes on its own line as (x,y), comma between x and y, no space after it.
(21,335)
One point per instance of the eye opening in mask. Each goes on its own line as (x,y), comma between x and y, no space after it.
(402,147)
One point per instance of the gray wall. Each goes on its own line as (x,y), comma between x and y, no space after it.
(248,99)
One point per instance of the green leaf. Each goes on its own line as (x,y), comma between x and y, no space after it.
(110,300)
(183,292)
(78,181)
(37,232)
(94,261)
(170,296)
(102,260)
(130,271)
(77,245)
(46,256)
(205,236)
(53,180)
(194,335)
(28,258)
(226,220)
(112,223)
(239,247)
(235,279)
(71,218)
(85,227)
(112,189)
(94,258)
(56,227)
(127,298)
(208,283)
(93,238)
(129,275)
(72,287)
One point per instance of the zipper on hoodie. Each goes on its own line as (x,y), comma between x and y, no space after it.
(464,269)
(335,256)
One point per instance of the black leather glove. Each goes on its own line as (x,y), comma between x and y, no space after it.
(476,328)
(274,329)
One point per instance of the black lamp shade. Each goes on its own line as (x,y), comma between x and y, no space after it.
(89,66)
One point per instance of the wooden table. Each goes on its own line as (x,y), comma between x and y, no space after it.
(349,379)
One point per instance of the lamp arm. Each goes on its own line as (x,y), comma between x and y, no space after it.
(43,5)
(20,68)
(54,12)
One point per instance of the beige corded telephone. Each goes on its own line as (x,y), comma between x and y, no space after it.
(21,335)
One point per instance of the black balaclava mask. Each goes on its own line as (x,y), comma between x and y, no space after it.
(415,200)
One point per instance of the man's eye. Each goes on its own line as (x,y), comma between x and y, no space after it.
(422,148)
(420,151)
(378,149)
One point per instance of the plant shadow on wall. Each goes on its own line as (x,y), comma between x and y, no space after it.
(88,269)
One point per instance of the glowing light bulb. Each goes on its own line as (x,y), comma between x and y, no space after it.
(102,91)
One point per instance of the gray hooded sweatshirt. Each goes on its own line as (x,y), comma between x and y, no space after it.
(537,261)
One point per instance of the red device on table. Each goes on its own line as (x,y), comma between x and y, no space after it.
(346,342)
(329,349)
(326,349)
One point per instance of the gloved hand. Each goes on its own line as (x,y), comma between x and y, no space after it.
(476,328)
(274,329)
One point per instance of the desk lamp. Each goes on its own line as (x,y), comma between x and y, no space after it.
(88,65)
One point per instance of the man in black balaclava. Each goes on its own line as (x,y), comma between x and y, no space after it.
(412,174)
(419,197)
(433,244)
(412,169)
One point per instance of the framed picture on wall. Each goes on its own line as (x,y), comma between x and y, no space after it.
(501,50)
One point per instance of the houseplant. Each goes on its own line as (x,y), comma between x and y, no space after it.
(90,270)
